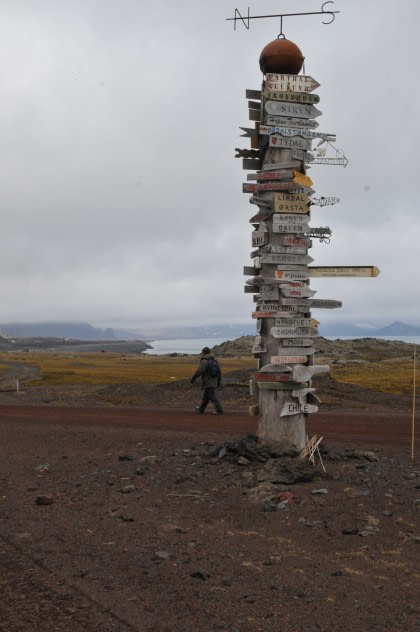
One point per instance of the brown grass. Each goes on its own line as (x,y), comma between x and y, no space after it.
(113,368)
(388,376)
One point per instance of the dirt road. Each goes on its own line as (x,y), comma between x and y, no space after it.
(124,519)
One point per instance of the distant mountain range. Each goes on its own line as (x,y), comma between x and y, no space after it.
(85,331)
(396,328)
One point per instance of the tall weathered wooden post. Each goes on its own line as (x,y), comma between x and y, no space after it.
(286,112)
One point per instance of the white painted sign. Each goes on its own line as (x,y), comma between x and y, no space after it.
(282,359)
(286,275)
(282,121)
(292,83)
(297,408)
(287,258)
(297,342)
(301,110)
(292,322)
(283,174)
(278,250)
(289,240)
(290,228)
(294,131)
(290,97)
(271,186)
(298,292)
(295,142)
(290,218)
(293,332)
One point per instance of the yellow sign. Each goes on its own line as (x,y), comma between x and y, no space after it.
(302,179)
(343,271)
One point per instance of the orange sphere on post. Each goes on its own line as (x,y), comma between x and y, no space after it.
(281,56)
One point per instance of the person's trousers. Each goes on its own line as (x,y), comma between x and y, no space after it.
(210,395)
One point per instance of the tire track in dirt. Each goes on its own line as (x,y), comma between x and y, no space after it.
(67,604)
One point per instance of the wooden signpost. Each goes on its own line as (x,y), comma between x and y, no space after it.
(284,114)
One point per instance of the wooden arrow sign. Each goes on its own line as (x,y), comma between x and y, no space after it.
(297,342)
(251,164)
(284,121)
(283,174)
(343,271)
(282,359)
(291,300)
(302,179)
(301,110)
(266,201)
(273,377)
(290,218)
(293,332)
(259,238)
(290,228)
(273,257)
(279,250)
(291,351)
(294,131)
(278,386)
(325,303)
(281,321)
(296,202)
(247,153)
(287,164)
(291,83)
(271,186)
(290,97)
(292,408)
(291,292)
(262,216)
(253,94)
(290,240)
(295,142)
(292,275)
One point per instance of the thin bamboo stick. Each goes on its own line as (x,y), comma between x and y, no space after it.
(414,404)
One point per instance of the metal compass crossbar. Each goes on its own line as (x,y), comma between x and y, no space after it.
(245,20)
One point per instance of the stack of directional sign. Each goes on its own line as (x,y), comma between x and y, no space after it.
(285,125)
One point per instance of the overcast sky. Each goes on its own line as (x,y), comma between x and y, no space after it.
(121,200)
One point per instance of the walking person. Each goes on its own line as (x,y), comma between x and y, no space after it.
(211,376)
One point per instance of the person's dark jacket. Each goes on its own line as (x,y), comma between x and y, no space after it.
(207,380)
